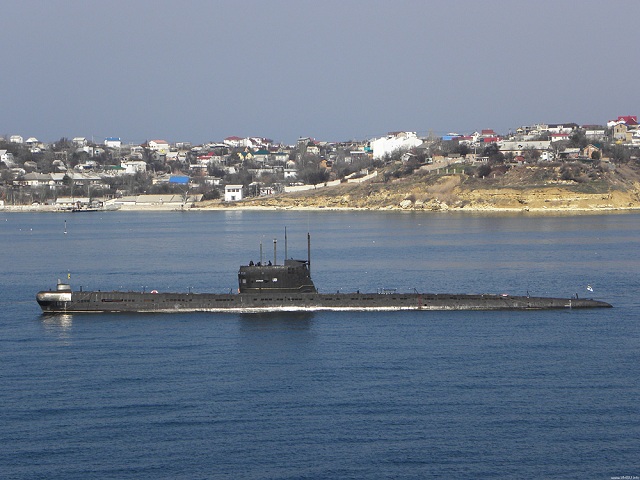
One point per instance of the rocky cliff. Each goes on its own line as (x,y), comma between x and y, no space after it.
(522,188)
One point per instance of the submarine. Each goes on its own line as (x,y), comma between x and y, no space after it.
(288,287)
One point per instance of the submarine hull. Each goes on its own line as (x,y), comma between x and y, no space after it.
(115,301)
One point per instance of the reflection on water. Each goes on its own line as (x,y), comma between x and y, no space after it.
(58,326)
(276,321)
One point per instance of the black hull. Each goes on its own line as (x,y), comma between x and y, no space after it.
(70,302)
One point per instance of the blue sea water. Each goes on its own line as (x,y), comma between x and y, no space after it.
(550,394)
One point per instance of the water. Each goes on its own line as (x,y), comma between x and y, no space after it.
(326,395)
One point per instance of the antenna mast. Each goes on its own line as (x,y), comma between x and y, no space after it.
(285,244)
(309,252)
(274,251)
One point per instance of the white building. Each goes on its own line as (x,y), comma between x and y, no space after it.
(594,133)
(160,146)
(16,139)
(7,158)
(112,142)
(392,142)
(131,167)
(290,173)
(559,128)
(232,193)
(520,148)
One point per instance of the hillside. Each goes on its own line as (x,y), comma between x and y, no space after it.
(560,187)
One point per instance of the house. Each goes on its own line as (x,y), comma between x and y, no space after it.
(180,156)
(232,193)
(259,142)
(35,180)
(7,158)
(464,140)
(131,167)
(259,172)
(69,203)
(234,142)
(210,159)
(562,127)
(84,178)
(114,170)
(629,120)
(112,142)
(569,153)
(620,132)
(290,173)
(179,179)
(245,156)
(261,156)
(488,136)
(137,151)
(16,139)
(591,151)
(159,146)
(594,132)
(208,180)
(58,178)
(520,148)
(392,142)
(313,150)
(79,142)
(35,146)
(546,156)
(451,136)
(91,150)
(162,201)
(88,165)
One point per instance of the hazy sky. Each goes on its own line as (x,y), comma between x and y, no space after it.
(202,70)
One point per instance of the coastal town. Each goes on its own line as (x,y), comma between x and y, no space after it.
(80,174)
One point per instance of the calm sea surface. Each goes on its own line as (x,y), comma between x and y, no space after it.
(550,394)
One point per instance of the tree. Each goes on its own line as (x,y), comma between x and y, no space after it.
(243,177)
(215,171)
(617,153)
(462,149)
(313,175)
(483,170)
(62,145)
(532,155)
(578,139)
(212,194)
(5,175)
(493,152)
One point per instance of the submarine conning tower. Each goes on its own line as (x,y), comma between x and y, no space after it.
(292,277)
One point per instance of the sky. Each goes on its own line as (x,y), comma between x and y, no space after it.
(203,70)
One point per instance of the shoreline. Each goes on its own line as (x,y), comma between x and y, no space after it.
(273,208)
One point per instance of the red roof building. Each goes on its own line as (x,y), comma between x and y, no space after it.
(628,119)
